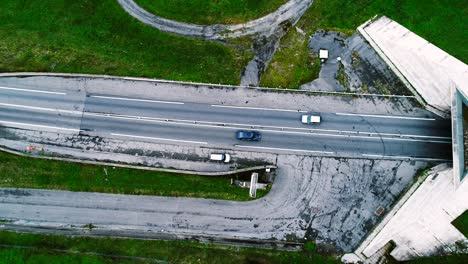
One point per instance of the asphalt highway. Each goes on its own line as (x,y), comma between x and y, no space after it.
(318,194)
(214,125)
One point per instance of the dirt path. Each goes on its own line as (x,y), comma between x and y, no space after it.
(287,13)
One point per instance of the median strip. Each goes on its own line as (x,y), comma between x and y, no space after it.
(259,108)
(136,100)
(307,132)
(162,139)
(285,149)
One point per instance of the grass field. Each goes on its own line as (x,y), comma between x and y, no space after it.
(206,12)
(23,172)
(88,36)
(454,259)
(461,223)
(441,22)
(44,250)
(52,249)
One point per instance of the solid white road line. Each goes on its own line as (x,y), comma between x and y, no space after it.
(384,116)
(162,139)
(401,157)
(40,126)
(43,109)
(268,130)
(259,108)
(136,100)
(29,90)
(285,149)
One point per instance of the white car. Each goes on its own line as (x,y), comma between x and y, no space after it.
(310,119)
(220,157)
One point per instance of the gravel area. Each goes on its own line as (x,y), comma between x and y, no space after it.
(353,66)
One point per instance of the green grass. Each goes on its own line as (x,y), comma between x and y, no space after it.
(207,12)
(292,65)
(43,256)
(169,251)
(88,36)
(442,22)
(454,259)
(24,172)
(461,223)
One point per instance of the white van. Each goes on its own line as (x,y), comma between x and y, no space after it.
(220,157)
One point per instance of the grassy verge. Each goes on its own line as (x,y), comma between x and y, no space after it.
(88,36)
(211,12)
(440,22)
(44,250)
(465,133)
(461,223)
(23,172)
(454,259)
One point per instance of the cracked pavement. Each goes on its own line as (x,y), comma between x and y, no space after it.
(352,66)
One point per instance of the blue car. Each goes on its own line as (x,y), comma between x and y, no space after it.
(248,135)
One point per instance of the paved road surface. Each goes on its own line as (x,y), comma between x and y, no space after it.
(214,125)
(332,200)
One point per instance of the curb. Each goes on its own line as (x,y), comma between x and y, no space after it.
(265,89)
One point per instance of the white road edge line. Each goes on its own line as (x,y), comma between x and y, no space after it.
(136,100)
(29,90)
(384,116)
(269,130)
(43,109)
(259,108)
(155,138)
(401,157)
(296,150)
(42,126)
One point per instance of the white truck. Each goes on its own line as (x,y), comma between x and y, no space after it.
(220,157)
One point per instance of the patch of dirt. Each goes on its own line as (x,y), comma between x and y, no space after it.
(352,66)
